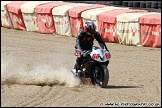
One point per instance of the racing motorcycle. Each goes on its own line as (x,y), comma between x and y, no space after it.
(94,67)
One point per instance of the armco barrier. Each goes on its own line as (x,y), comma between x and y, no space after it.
(5,18)
(107,24)
(151,30)
(16,14)
(29,15)
(149,23)
(45,17)
(129,28)
(61,18)
(92,14)
(76,21)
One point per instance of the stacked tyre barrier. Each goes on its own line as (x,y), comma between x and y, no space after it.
(151,6)
(123,22)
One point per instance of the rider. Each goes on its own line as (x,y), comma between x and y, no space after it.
(84,41)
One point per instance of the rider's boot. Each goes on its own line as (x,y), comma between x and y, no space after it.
(78,70)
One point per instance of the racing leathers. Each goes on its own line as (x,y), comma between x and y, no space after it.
(84,41)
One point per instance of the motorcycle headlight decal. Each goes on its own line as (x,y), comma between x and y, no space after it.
(108,55)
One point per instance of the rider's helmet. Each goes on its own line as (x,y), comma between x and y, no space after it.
(89,27)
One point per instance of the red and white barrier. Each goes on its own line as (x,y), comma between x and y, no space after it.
(150,29)
(129,28)
(92,14)
(107,24)
(45,17)
(29,15)
(115,24)
(5,18)
(16,14)
(61,18)
(76,21)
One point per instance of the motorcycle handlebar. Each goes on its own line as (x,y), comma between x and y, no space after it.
(86,52)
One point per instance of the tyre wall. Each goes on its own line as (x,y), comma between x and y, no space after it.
(151,6)
(124,22)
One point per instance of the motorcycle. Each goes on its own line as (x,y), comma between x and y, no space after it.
(94,67)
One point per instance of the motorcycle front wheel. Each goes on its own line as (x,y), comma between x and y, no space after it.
(100,75)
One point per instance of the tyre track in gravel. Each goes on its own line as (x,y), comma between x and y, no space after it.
(38,98)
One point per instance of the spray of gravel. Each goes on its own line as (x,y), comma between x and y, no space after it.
(40,74)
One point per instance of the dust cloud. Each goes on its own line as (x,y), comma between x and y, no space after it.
(15,71)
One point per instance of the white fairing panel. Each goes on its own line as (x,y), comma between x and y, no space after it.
(101,55)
